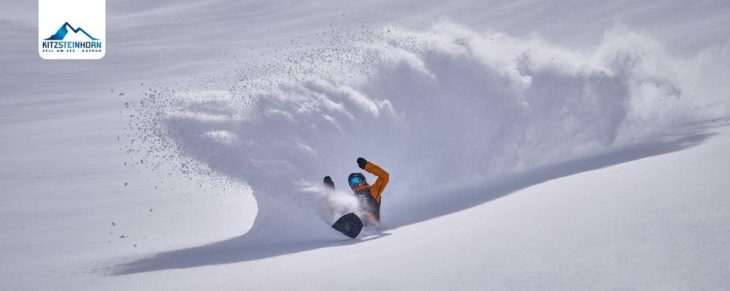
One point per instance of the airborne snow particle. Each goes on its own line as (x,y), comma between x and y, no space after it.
(125,184)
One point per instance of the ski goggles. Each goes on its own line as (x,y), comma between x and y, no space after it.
(356,180)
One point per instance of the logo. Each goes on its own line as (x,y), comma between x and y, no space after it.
(78,40)
(63,31)
(82,31)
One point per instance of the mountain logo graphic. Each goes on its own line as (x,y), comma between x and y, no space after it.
(70,41)
(63,31)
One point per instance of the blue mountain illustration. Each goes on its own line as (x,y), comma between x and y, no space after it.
(61,33)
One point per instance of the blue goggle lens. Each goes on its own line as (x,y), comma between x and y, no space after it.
(355,180)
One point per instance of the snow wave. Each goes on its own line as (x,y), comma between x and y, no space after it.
(437,108)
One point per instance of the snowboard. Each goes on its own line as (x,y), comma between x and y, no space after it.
(349,224)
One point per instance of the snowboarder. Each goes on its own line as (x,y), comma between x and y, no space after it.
(369,195)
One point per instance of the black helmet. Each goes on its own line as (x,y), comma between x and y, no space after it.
(356,179)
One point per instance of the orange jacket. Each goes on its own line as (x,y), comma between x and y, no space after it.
(376,189)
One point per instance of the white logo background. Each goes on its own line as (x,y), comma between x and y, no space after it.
(87,14)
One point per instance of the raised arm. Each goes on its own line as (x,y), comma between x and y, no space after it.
(383,177)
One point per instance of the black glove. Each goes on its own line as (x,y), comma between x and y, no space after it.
(361,163)
(328,182)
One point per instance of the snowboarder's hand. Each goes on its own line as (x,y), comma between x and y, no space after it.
(361,163)
(328,182)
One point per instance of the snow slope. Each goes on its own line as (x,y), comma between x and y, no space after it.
(658,223)
(532,146)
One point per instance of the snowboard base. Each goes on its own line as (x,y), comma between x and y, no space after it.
(349,224)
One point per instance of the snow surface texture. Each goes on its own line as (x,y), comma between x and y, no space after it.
(115,173)
(439,108)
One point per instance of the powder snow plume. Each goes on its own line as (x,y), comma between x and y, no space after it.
(438,108)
